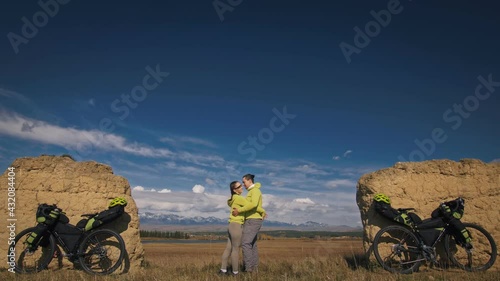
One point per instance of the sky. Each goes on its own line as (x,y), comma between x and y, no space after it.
(183,97)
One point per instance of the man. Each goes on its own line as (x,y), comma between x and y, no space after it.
(253,223)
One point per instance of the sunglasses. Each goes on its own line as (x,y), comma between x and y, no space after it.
(238,187)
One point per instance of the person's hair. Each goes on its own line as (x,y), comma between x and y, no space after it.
(249,177)
(232,185)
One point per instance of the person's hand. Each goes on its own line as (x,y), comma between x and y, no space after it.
(264,216)
(235,212)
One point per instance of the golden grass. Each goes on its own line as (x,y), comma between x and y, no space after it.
(281,259)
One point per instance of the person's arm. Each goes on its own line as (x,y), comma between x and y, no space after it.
(252,203)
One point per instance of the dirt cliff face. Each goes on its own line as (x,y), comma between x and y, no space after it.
(423,185)
(75,187)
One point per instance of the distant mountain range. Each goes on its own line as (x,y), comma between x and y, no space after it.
(160,221)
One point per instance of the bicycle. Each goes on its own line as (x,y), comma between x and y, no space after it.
(98,251)
(402,249)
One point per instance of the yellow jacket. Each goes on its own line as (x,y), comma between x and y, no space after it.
(253,206)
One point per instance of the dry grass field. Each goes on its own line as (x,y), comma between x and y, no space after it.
(280,259)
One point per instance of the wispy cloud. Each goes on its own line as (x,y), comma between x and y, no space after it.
(340,183)
(19,126)
(207,160)
(92,102)
(183,140)
(13,95)
(347,153)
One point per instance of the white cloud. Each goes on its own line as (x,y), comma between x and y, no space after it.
(347,153)
(165,191)
(336,157)
(310,169)
(183,203)
(340,183)
(138,188)
(153,190)
(198,188)
(303,201)
(18,126)
(92,101)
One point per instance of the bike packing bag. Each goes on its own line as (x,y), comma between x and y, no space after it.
(451,209)
(69,234)
(429,230)
(459,232)
(34,239)
(47,214)
(389,212)
(103,217)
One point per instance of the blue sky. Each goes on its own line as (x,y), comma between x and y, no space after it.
(169,94)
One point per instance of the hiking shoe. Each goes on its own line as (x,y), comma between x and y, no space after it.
(222,272)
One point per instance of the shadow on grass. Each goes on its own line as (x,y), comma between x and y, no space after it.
(359,261)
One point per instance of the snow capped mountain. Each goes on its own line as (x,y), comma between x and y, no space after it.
(149,218)
(152,218)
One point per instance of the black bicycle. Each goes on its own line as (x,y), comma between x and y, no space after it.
(97,251)
(402,249)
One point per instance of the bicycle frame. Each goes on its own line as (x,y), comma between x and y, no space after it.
(67,251)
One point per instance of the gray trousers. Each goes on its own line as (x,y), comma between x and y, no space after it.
(249,243)
(232,246)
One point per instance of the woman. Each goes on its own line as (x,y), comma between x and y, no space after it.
(235,228)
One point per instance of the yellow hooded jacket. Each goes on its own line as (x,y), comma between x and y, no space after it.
(254,203)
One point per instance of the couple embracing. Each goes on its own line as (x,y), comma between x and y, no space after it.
(245,222)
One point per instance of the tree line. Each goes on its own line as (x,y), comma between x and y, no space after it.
(164,234)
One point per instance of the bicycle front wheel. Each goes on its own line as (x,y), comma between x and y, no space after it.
(102,252)
(480,257)
(397,249)
(32,261)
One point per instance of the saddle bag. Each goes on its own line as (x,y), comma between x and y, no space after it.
(101,218)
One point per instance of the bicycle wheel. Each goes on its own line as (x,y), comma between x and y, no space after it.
(397,249)
(33,261)
(482,255)
(101,252)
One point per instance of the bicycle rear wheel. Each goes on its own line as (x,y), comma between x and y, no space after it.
(482,255)
(397,249)
(102,252)
(33,261)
